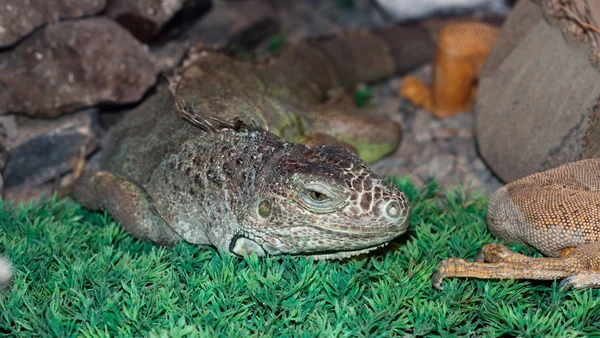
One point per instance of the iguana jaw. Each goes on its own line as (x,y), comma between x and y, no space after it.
(246,246)
(345,254)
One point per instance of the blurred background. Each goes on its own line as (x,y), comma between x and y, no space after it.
(69,70)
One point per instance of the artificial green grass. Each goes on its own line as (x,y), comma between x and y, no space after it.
(79,274)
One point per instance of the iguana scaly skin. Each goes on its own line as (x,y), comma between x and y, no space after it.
(243,189)
(555,211)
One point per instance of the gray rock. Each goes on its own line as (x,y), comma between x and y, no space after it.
(145,18)
(538,100)
(441,166)
(43,150)
(74,64)
(29,193)
(7,131)
(228,18)
(18,18)
(7,127)
(228,22)
(222,24)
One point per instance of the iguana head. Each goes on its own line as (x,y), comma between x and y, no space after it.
(324,202)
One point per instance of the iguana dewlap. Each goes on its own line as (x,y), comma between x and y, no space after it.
(556,211)
(461,51)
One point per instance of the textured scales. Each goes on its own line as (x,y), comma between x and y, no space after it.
(213,178)
(241,189)
(557,212)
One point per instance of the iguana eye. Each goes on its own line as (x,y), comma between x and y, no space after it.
(317,196)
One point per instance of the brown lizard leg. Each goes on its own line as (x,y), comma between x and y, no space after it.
(127,203)
(455,267)
(495,253)
(581,266)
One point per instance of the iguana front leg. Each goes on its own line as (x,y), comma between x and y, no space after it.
(126,202)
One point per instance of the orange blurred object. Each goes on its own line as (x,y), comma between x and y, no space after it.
(461,51)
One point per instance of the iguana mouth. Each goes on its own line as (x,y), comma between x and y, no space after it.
(324,255)
(242,245)
(396,228)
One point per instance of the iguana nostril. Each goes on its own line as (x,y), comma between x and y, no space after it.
(393,209)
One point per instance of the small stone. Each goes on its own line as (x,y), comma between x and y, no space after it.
(389,107)
(471,181)
(27,193)
(441,165)
(422,172)
(422,127)
(83,63)
(466,133)
(391,166)
(444,133)
(461,163)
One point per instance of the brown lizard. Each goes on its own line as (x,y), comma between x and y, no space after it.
(555,211)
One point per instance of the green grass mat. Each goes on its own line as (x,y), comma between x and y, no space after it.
(79,274)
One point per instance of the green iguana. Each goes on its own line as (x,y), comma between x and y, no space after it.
(244,187)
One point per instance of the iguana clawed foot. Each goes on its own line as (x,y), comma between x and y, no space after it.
(494,253)
(580,267)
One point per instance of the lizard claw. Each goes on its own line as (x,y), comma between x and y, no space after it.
(581,280)
(479,256)
(566,283)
